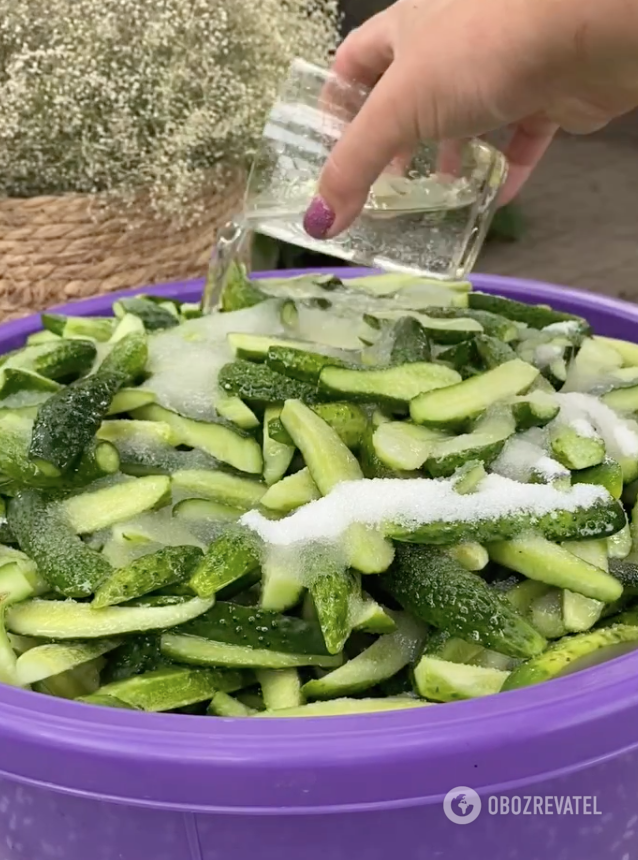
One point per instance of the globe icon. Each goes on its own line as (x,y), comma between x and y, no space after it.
(461,805)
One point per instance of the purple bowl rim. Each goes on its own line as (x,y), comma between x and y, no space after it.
(156,739)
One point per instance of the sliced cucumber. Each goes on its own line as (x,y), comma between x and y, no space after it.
(348,707)
(291,492)
(333,590)
(198,651)
(494,325)
(547,562)
(535,316)
(57,619)
(580,613)
(68,421)
(576,447)
(258,384)
(169,566)
(153,316)
(392,385)
(221,442)
(608,474)
(281,586)
(281,688)
(442,681)
(535,409)
(230,557)
(435,588)
(400,445)
(559,657)
(301,364)
(410,342)
(348,420)
(383,659)
(218,486)
(202,511)
(42,530)
(254,347)
(235,410)
(171,688)
(330,462)
(627,351)
(599,519)
(130,399)
(224,705)
(482,445)
(43,661)
(277,457)
(472,556)
(546,614)
(619,545)
(473,396)
(99,509)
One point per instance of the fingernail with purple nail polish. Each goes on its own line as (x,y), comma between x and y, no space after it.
(318,219)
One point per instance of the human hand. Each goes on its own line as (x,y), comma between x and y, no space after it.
(452,69)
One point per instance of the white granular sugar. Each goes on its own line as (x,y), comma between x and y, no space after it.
(414,502)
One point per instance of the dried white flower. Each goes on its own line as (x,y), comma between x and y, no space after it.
(154,95)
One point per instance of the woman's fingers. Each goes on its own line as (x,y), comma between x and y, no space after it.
(527,146)
(366,53)
(372,140)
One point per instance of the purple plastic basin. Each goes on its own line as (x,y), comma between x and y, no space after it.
(84,783)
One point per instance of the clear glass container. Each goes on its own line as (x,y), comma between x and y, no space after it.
(427,214)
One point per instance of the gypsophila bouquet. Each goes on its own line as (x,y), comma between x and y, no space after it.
(159,96)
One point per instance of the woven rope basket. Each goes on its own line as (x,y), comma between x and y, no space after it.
(57,249)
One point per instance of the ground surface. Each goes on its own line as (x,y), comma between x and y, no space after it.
(582,214)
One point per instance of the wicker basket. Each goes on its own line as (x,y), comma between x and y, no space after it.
(57,249)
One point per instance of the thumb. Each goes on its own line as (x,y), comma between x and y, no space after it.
(385,125)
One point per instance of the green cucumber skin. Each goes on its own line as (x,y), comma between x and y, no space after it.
(68,421)
(534,316)
(127,359)
(68,565)
(446,466)
(135,656)
(337,382)
(492,351)
(494,325)
(526,416)
(239,292)
(602,520)
(559,655)
(438,590)
(168,566)
(331,592)
(607,474)
(152,315)
(299,364)
(171,688)
(372,465)
(68,358)
(626,572)
(53,322)
(346,419)
(230,557)
(257,383)
(234,624)
(411,342)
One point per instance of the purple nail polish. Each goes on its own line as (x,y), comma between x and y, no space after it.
(318,219)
